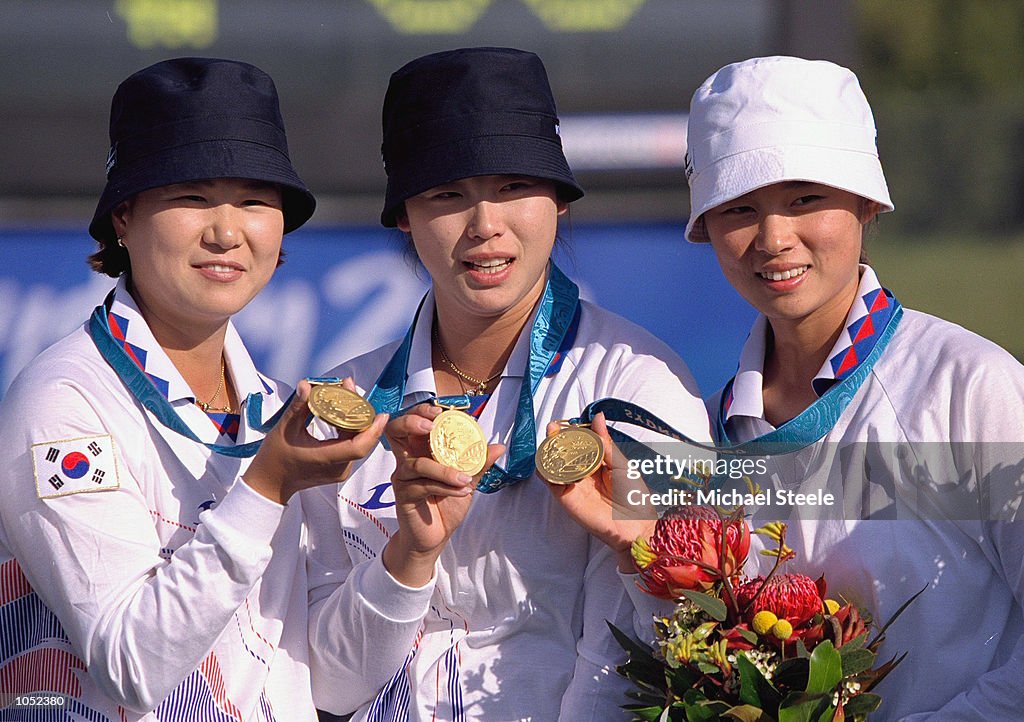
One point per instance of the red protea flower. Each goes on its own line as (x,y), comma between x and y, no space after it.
(850,623)
(685,551)
(793,597)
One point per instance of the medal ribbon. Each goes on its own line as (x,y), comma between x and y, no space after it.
(797,433)
(557,308)
(147,394)
(817,419)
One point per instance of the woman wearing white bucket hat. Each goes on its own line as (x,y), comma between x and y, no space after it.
(888,405)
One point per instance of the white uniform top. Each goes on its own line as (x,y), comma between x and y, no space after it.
(935,383)
(154,582)
(514,625)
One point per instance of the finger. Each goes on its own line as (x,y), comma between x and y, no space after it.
(408,434)
(425,468)
(413,490)
(348,447)
(366,440)
(295,416)
(553,428)
(425,409)
(494,452)
(613,456)
(408,425)
(350,384)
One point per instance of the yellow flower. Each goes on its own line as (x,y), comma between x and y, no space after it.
(773,530)
(642,554)
(832,606)
(764,621)
(782,629)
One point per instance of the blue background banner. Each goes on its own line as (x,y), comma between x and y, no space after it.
(342,291)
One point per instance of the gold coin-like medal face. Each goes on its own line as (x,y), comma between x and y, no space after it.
(458,441)
(340,407)
(570,455)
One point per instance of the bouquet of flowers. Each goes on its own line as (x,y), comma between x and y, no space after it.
(772,648)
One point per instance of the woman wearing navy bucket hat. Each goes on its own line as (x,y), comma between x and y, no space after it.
(915,423)
(478,596)
(141,576)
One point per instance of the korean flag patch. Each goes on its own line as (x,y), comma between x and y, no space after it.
(73,466)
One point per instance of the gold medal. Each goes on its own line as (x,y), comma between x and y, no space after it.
(456,440)
(570,455)
(340,407)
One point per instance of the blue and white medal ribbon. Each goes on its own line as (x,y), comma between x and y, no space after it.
(805,429)
(150,397)
(557,308)
(819,418)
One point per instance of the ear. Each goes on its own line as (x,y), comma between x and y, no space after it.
(402,222)
(869,210)
(119,218)
(563,207)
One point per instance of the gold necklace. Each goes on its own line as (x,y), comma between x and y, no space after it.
(480,384)
(207,406)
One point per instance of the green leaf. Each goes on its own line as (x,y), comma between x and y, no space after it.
(826,669)
(747,713)
(642,665)
(705,711)
(862,704)
(801,649)
(647,714)
(708,668)
(715,608)
(855,643)
(755,690)
(681,679)
(881,632)
(791,674)
(749,635)
(856,661)
(799,707)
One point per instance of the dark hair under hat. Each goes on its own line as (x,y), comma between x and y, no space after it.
(191,119)
(470,112)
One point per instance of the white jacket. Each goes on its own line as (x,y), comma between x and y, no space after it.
(934,384)
(514,625)
(163,584)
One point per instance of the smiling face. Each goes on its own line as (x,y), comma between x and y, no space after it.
(792,250)
(200,251)
(485,241)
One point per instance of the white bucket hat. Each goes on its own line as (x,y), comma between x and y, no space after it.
(767,120)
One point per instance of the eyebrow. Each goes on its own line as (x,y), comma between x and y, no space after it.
(247,183)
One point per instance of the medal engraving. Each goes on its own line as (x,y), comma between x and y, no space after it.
(458,441)
(340,407)
(570,455)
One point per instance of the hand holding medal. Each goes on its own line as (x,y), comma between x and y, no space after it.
(456,440)
(290,459)
(339,406)
(569,455)
(592,486)
(439,452)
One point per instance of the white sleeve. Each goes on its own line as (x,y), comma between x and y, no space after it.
(141,623)
(362,622)
(663,386)
(997,694)
(597,691)
(990,407)
(648,374)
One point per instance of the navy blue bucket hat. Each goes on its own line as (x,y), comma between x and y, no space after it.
(190,119)
(470,112)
